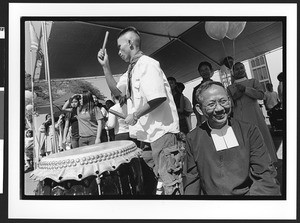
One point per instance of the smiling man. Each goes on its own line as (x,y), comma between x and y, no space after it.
(225,156)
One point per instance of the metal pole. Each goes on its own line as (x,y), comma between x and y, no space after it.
(47,74)
(36,148)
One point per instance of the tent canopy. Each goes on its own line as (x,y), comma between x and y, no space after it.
(179,46)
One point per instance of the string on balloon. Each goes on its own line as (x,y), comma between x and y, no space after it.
(234,30)
(217,30)
(227,59)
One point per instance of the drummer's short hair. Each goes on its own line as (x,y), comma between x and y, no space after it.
(134,30)
(129,29)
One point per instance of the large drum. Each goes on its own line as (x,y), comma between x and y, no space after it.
(109,168)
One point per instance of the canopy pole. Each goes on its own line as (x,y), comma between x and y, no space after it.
(36,148)
(47,74)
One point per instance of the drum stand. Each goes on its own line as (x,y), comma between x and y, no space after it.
(98,180)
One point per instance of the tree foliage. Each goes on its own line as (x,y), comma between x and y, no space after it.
(59,88)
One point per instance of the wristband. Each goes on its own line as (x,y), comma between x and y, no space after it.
(135,118)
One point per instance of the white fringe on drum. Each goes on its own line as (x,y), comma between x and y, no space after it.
(79,163)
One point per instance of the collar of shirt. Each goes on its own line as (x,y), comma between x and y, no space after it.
(223,138)
(134,59)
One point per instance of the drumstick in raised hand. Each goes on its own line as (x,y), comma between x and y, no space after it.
(105,40)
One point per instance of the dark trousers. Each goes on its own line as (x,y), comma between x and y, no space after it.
(122,136)
(75,142)
(103,136)
(149,179)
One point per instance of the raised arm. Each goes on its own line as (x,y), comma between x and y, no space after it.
(131,119)
(66,106)
(111,82)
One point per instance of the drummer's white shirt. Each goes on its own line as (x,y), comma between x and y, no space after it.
(149,82)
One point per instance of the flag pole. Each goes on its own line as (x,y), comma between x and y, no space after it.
(36,150)
(47,74)
(33,39)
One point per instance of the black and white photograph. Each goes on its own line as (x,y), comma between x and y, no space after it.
(140,108)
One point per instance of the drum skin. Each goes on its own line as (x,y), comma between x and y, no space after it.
(119,171)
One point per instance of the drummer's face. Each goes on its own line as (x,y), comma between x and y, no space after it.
(124,48)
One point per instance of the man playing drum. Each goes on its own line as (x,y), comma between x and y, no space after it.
(152,113)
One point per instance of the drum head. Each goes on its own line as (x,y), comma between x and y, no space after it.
(81,162)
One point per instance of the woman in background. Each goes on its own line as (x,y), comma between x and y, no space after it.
(49,141)
(71,121)
(89,118)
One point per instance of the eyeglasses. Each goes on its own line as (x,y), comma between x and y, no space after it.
(213,104)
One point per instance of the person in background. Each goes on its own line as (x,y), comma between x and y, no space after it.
(245,92)
(71,105)
(60,125)
(29,150)
(206,72)
(51,142)
(280,78)
(273,107)
(89,118)
(225,156)
(121,129)
(152,114)
(111,131)
(188,108)
(104,135)
(179,101)
(271,98)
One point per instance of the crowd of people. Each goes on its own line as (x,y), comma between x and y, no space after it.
(83,122)
(229,152)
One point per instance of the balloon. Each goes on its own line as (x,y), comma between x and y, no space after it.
(235,29)
(216,30)
(29,107)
